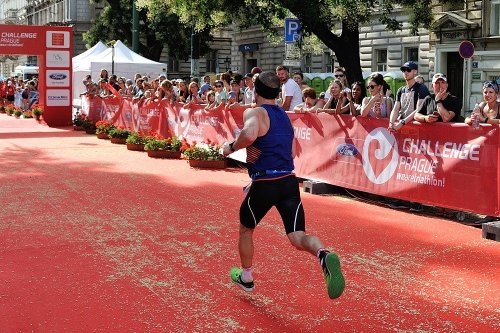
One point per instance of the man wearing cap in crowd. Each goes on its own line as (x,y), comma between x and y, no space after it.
(441,105)
(408,98)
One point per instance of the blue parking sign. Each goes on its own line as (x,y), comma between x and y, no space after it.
(292,30)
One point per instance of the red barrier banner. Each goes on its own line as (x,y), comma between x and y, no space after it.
(447,165)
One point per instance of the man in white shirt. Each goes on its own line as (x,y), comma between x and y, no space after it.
(290,90)
(249,97)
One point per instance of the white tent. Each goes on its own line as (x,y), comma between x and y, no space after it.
(96,49)
(126,63)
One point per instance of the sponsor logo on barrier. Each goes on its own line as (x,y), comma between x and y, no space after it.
(347,149)
(386,145)
(58,97)
(57,59)
(58,39)
(57,78)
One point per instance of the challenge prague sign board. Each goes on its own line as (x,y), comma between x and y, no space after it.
(53,46)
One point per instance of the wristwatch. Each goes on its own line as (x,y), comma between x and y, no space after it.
(402,121)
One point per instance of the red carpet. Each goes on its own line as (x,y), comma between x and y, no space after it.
(96,238)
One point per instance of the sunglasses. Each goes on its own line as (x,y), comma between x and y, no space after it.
(370,87)
(407,70)
(339,75)
(218,86)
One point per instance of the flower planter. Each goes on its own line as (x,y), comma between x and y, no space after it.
(102,136)
(90,131)
(135,146)
(164,154)
(208,164)
(78,128)
(118,141)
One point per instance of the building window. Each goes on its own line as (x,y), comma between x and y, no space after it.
(495,18)
(328,61)
(211,62)
(173,65)
(411,54)
(381,64)
(307,62)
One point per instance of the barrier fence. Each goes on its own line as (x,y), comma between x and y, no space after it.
(446,165)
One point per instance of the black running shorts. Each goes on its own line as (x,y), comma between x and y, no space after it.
(282,193)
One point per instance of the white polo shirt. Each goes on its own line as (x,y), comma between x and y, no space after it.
(291,88)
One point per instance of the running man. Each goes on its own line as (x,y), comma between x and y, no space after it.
(268,136)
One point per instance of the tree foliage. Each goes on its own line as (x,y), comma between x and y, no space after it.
(335,22)
(160,27)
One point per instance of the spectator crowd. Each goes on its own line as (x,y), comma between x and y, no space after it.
(411,102)
(21,94)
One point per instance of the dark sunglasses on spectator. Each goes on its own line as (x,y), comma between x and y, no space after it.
(406,70)
(218,86)
(370,87)
(339,75)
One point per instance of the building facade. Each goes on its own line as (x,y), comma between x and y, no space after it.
(77,13)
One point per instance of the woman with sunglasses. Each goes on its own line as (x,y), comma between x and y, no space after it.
(220,99)
(378,105)
(489,110)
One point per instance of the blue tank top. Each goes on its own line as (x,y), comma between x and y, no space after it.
(270,155)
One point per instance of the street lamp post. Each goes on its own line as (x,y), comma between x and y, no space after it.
(195,53)
(112,44)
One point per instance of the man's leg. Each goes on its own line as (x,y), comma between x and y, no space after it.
(245,246)
(292,212)
(256,204)
(243,276)
(329,261)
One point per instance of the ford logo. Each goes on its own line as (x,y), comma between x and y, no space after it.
(347,149)
(58,76)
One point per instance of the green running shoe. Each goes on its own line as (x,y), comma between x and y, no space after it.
(235,274)
(333,276)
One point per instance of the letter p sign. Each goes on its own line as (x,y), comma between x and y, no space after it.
(292,30)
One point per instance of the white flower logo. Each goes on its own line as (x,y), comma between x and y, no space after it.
(387,143)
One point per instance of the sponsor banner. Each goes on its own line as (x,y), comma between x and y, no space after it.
(58,97)
(446,165)
(18,37)
(57,78)
(57,58)
(57,39)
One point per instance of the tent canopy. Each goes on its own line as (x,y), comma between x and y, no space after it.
(96,49)
(125,62)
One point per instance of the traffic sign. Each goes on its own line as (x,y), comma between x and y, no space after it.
(466,49)
(291,63)
(292,30)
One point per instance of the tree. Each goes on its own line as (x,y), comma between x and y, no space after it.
(335,22)
(159,28)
